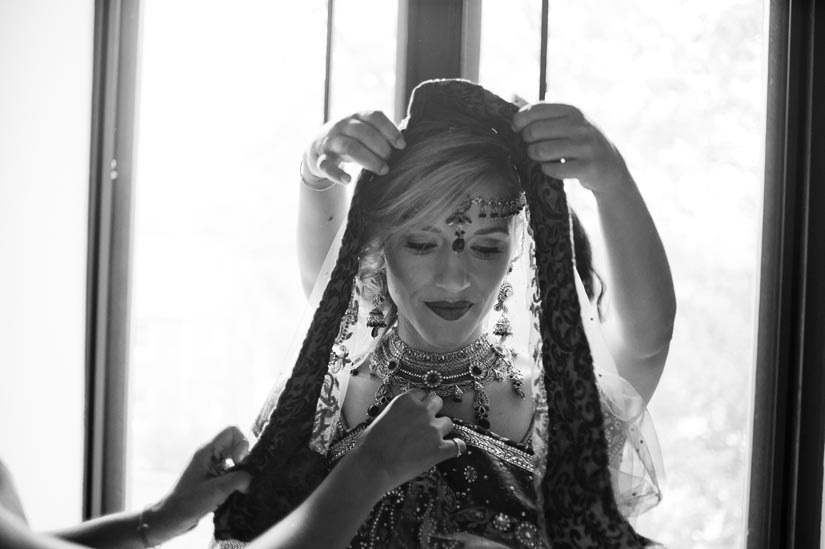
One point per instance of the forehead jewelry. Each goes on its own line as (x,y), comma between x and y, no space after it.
(486,208)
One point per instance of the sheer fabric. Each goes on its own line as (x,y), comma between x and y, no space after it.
(591,460)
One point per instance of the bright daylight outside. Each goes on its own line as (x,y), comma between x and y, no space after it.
(231,92)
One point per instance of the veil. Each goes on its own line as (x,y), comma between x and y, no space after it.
(596,460)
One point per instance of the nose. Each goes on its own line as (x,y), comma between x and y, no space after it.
(452,274)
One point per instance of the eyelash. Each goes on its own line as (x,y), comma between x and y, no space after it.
(484,252)
(419,247)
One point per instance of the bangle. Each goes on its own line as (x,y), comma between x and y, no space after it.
(143,528)
(306,184)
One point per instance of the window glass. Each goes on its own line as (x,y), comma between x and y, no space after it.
(510,54)
(679,88)
(229,94)
(363,57)
(46,58)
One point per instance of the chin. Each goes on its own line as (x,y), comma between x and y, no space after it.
(448,336)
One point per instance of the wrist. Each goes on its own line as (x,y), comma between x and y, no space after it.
(371,472)
(154,526)
(312,182)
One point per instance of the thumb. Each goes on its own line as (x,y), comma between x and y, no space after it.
(220,488)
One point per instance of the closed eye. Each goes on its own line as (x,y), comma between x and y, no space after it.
(419,247)
(487,251)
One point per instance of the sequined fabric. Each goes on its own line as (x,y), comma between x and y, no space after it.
(486,494)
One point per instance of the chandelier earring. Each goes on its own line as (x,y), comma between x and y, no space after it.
(503,329)
(376,319)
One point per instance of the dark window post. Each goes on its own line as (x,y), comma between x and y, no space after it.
(116,32)
(786,479)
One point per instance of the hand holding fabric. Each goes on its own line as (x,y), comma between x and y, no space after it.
(202,487)
(569,146)
(365,138)
(406,439)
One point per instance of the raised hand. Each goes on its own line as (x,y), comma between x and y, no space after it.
(365,138)
(569,146)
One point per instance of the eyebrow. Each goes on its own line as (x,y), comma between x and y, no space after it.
(491,230)
(481,232)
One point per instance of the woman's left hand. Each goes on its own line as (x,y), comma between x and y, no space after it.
(202,488)
(568,146)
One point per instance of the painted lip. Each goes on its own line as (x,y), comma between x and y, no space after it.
(449,310)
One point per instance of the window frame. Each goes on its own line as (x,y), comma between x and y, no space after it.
(114,79)
(786,471)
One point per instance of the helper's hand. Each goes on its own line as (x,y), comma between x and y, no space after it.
(407,439)
(202,487)
(568,146)
(365,138)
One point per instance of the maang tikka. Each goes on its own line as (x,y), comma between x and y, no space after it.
(486,208)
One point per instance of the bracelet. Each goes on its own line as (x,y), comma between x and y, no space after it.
(143,528)
(306,184)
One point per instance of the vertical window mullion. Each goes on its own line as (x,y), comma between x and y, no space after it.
(109,246)
(786,477)
(328,62)
(545,23)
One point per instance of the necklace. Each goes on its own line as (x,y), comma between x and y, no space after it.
(401,368)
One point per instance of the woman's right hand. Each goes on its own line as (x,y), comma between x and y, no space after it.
(407,439)
(364,138)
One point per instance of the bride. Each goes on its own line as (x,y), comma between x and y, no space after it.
(447,214)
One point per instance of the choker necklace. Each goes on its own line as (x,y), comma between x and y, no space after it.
(401,368)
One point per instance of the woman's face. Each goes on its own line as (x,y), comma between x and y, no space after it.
(443,296)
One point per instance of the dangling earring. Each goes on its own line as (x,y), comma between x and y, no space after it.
(376,319)
(503,328)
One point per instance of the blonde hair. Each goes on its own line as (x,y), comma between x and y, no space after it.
(426,182)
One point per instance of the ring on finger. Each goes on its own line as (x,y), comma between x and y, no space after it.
(457,448)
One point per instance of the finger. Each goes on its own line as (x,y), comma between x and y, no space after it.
(370,137)
(329,166)
(555,128)
(451,448)
(553,151)
(433,403)
(227,440)
(570,169)
(443,425)
(348,148)
(222,487)
(240,449)
(385,126)
(418,394)
(541,111)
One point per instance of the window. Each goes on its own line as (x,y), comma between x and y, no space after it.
(225,113)
(228,95)
(679,88)
(44,171)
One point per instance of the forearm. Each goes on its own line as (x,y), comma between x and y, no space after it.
(320,214)
(119,530)
(15,533)
(641,301)
(323,520)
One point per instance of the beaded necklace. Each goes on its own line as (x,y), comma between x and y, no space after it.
(401,368)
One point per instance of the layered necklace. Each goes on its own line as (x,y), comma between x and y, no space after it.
(449,375)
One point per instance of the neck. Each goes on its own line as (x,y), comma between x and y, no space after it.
(413,339)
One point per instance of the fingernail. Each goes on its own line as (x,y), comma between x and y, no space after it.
(384,170)
(346,178)
(400,143)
